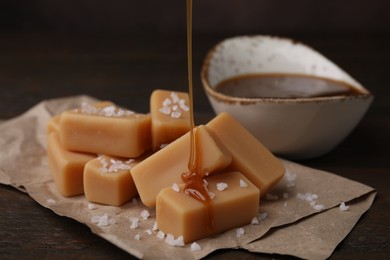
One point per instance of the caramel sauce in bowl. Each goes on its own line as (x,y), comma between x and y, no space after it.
(294,100)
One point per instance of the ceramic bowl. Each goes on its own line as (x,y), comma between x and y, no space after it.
(295,128)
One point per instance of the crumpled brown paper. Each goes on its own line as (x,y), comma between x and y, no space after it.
(289,211)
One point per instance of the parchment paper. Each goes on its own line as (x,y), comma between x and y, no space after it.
(286,212)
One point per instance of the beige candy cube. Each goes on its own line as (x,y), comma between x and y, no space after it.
(66,167)
(105,130)
(107,180)
(167,165)
(170,116)
(249,156)
(234,204)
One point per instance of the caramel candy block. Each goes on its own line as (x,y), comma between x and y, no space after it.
(249,156)
(107,180)
(53,125)
(170,116)
(105,130)
(66,167)
(167,165)
(235,204)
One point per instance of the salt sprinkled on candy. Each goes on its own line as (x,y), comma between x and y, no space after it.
(195,247)
(160,234)
(243,184)
(134,223)
(240,232)
(174,106)
(263,216)
(109,111)
(165,110)
(51,201)
(145,214)
(343,207)
(91,206)
(221,186)
(318,207)
(101,221)
(166,102)
(269,196)
(175,187)
(175,114)
(155,226)
(255,221)
(170,240)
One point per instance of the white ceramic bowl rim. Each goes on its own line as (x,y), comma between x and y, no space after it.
(365,94)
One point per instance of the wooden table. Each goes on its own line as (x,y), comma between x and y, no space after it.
(126,70)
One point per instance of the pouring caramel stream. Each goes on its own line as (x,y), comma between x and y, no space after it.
(193,180)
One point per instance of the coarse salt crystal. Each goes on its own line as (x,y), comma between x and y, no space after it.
(165,110)
(148,231)
(243,184)
(263,216)
(167,102)
(195,193)
(160,234)
(175,187)
(155,226)
(269,196)
(240,232)
(170,240)
(318,207)
(175,97)
(101,221)
(91,206)
(255,221)
(51,201)
(221,186)
(343,207)
(145,214)
(211,194)
(195,247)
(175,114)
(137,237)
(134,223)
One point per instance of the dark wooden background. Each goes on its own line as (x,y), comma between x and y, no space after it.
(122,50)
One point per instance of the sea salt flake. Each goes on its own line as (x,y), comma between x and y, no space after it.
(160,234)
(166,102)
(175,187)
(170,240)
(195,193)
(263,216)
(195,247)
(175,97)
(318,207)
(343,207)
(51,201)
(92,206)
(134,223)
(155,226)
(145,214)
(221,186)
(148,231)
(101,221)
(243,184)
(270,196)
(255,221)
(175,114)
(211,194)
(165,110)
(240,232)
(137,237)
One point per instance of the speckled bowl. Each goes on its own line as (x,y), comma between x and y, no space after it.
(295,128)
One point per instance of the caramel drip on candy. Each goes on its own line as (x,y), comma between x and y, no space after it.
(194,184)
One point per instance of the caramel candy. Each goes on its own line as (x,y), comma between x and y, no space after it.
(66,167)
(170,116)
(181,215)
(105,130)
(167,165)
(249,156)
(107,180)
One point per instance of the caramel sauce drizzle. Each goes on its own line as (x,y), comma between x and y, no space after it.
(193,180)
